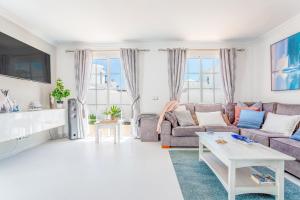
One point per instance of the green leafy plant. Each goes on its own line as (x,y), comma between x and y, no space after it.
(114,111)
(59,92)
(92,119)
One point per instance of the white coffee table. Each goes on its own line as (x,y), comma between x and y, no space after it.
(232,162)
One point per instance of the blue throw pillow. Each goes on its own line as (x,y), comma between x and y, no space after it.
(251,119)
(296,136)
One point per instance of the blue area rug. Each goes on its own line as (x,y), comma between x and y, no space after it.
(198,182)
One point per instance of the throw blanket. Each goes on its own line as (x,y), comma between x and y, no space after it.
(170,106)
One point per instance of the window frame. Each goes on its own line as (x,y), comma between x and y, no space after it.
(201,75)
(107,88)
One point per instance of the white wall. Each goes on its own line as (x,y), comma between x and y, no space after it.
(260,66)
(24,91)
(154,76)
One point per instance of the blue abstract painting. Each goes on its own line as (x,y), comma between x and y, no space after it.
(285,64)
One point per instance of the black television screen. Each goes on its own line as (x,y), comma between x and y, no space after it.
(20,60)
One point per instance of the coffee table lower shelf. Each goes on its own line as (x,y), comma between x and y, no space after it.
(243,182)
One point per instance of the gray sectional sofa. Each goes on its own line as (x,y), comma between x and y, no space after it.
(186,137)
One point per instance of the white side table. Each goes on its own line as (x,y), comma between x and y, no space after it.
(115,125)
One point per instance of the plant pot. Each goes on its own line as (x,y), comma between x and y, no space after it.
(92,122)
(59,104)
(114,118)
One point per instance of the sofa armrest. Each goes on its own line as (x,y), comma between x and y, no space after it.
(166,128)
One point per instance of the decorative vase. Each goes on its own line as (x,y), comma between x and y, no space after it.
(59,104)
(51,101)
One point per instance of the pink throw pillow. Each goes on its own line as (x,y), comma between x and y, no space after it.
(237,112)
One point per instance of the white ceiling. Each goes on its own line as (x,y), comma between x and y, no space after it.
(148,20)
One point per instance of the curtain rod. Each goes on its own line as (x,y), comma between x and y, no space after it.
(201,49)
(103,50)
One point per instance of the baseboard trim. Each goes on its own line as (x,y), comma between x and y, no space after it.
(165,147)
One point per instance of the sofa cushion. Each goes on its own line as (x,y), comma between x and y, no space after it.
(287,146)
(256,104)
(260,136)
(269,107)
(251,119)
(210,118)
(226,119)
(229,110)
(237,112)
(296,136)
(180,131)
(184,118)
(233,129)
(208,107)
(285,124)
(288,109)
(171,117)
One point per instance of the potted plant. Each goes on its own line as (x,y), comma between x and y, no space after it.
(92,119)
(114,112)
(59,93)
(107,114)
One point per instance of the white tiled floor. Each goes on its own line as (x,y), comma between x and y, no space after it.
(83,170)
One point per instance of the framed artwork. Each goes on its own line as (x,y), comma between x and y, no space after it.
(285,64)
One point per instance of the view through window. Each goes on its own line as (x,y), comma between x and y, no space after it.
(202,81)
(107,87)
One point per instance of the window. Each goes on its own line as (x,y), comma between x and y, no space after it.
(202,80)
(107,87)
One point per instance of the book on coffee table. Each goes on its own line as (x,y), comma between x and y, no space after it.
(262,179)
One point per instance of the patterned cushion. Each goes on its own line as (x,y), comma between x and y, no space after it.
(229,110)
(171,117)
(256,104)
(226,119)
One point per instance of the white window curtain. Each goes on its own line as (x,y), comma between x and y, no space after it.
(176,69)
(83,62)
(228,65)
(129,58)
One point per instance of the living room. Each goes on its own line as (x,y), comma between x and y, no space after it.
(149,99)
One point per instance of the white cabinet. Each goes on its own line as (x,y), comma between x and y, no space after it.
(22,124)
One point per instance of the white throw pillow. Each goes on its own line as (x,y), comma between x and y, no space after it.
(284,124)
(210,119)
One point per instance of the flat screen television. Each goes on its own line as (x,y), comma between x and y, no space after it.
(20,60)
